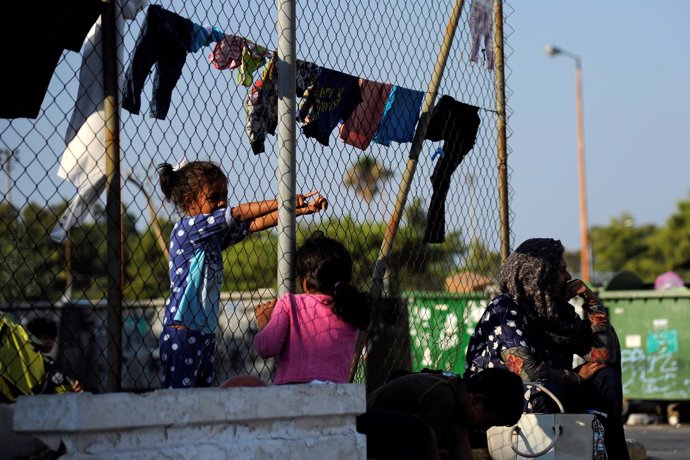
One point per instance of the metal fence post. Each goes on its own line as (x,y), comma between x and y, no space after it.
(287,142)
(114,201)
(502,145)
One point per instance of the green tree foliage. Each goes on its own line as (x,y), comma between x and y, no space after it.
(252,263)
(619,244)
(34,267)
(645,250)
(672,242)
(30,269)
(481,260)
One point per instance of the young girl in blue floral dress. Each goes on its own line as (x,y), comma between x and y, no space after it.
(199,190)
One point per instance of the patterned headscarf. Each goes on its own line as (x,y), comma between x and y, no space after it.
(529,275)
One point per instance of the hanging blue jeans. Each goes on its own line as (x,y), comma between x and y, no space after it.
(164,40)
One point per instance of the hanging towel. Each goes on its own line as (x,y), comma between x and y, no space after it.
(83,161)
(33,37)
(332,99)
(164,40)
(400,116)
(358,130)
(456,124)
(481,21)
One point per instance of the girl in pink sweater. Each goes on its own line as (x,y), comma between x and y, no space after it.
(312,335)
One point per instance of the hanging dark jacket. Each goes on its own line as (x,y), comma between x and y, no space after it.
(456,124)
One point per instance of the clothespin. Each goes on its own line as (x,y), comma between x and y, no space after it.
(438,153)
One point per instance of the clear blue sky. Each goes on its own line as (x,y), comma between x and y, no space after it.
(636,72)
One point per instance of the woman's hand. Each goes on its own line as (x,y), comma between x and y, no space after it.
(587,370)
(263,312)
(576,288)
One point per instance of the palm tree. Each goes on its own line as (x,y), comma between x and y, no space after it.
(366,177)
(6,157)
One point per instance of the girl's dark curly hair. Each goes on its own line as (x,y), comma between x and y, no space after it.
(189,179)
(326,267)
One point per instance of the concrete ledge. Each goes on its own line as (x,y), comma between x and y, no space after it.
(289,421)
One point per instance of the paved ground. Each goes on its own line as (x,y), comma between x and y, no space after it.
(663,442)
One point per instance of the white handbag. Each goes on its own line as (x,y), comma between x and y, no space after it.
(545,436)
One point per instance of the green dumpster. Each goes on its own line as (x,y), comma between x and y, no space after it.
(654,330)
(440,327)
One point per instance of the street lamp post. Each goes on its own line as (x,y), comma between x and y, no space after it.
(584,235)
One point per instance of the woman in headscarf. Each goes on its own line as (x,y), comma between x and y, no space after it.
(531,329)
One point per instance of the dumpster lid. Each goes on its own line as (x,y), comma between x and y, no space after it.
(625,281)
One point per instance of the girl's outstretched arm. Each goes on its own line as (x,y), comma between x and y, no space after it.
(249,211)
(304,206)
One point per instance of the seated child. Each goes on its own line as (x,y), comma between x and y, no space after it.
(313,335)
(56,381)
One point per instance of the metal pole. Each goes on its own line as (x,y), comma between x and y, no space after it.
(114,201)
(155,226)
(406,182)
(394,222)
(584,235)
(287,143)
(501,147)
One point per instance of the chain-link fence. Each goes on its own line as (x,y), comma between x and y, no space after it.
(54,237)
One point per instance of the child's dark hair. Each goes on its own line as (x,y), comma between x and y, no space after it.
(326,266)
(504,394)
(41,327)
(189,179)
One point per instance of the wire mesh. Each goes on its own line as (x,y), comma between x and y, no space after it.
(419,322)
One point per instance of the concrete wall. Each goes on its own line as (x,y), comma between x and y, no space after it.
(281,422)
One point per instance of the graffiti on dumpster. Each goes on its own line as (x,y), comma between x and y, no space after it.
(440,333)
(655,370)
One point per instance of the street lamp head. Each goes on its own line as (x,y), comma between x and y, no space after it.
(552,50)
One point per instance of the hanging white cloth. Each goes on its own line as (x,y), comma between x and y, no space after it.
(83,161)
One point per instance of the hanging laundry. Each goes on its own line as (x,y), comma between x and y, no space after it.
(399,117)
(204,36)
(307,77)
(456,124)
(261,103)
(234,52)
(253,58)
(83,161)
(359,129)
(227,54)
(33,37)
(481,21)
(164,40)
(332,99)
